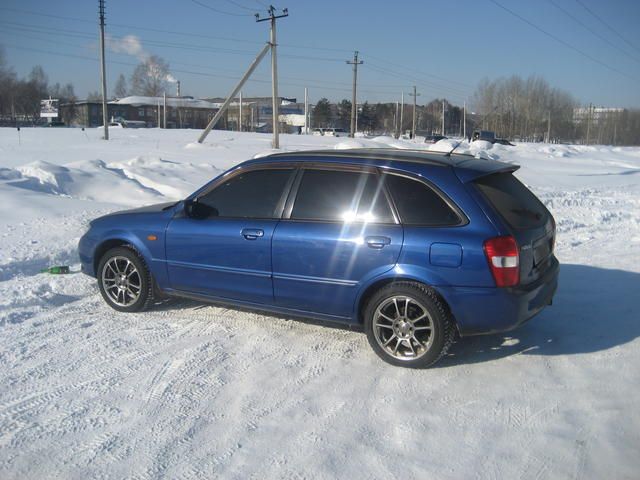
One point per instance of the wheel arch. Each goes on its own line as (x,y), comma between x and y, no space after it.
(368,291)
(121,240)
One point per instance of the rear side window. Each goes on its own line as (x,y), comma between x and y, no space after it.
(418,204)
(252,194)
(520,208)
(341,196)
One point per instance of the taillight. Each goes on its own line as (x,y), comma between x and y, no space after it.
(502,255)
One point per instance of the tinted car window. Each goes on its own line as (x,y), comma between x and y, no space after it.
(253,194)
(518,206)
(418,204)
(341,196)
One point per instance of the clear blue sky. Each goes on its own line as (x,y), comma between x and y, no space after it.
(443,47)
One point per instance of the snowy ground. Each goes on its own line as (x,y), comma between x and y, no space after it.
(195,391)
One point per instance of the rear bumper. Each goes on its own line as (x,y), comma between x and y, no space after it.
(490,310)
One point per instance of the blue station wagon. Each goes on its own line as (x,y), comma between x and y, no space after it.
(412,247)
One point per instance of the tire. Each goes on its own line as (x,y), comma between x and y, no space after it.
(411,319)
(134,293)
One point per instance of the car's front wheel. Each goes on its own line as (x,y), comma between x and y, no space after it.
(408,325)
(124,280)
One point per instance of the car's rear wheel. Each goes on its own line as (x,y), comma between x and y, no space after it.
(124,280)
(408,325)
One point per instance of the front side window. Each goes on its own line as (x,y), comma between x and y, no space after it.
(418,204)
(341,196)
(252,194)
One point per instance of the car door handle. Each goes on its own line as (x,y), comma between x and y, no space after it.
(252,233)
(377,242)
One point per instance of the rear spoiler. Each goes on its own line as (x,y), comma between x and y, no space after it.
(473,168)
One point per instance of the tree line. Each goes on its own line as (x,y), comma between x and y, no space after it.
(20,97)
(521,109)
(529,109)
(516,108)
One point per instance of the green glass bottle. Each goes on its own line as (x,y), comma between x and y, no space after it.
(57,270)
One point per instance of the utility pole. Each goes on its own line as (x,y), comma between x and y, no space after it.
(549,126)
(306,111)
(233,94)
(588,124)
(240,114)
(415,95)
(164,118)
(103,73)
(274,68)
(395,120)
(178,88)
(355,62)
(464,119)
(401,113)
(158,113)
(442,117)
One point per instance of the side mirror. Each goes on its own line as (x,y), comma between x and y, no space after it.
(199,211)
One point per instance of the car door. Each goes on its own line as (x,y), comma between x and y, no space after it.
(338,230)
(228,253)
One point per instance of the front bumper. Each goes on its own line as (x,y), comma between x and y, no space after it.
(490,310)
(86,249)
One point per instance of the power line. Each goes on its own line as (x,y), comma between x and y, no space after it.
(337,86)
(231,39)
(49,31)
(239,5)
(559,40)
(159,43)
(174,32)
(209,7)
(411,69)
(189,46)
(422,82)
(414,79)
(196,73)
(592,30)
(607,25)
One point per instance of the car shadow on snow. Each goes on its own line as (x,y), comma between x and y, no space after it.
(593,310)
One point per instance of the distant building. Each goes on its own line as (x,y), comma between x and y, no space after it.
(182,112)
(189,112)
(257,113)
(581,114)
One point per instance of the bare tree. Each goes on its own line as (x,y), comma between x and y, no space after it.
(515,107)
(120,90)
(150,77)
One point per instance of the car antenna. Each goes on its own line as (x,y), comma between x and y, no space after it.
(448,154)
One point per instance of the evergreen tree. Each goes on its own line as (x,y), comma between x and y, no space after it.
(322,113)
(344,114)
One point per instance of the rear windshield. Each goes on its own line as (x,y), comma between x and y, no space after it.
(519,207)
